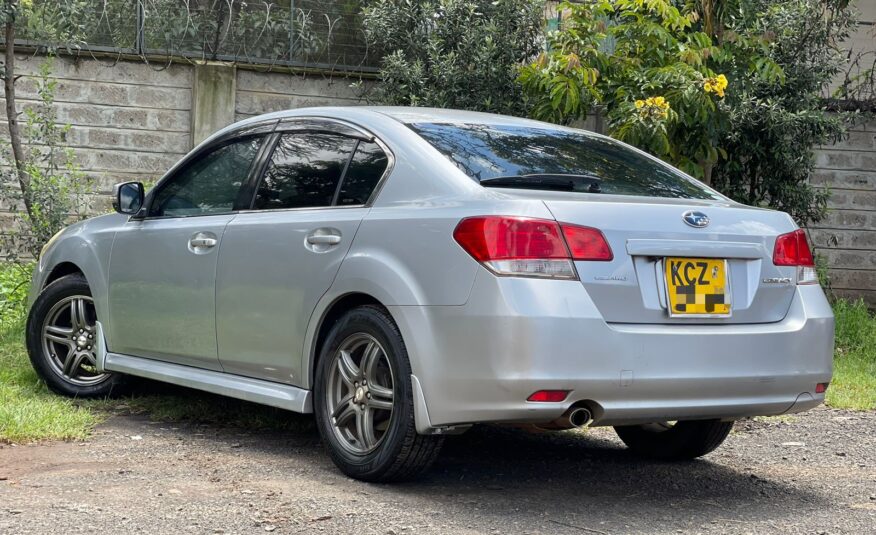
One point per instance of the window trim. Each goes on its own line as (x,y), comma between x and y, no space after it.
(284,128)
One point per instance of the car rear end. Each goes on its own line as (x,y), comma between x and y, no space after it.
(676,304)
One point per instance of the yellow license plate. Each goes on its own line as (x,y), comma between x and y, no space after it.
(697,287)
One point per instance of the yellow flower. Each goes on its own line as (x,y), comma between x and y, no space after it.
(653,108)
(715,85)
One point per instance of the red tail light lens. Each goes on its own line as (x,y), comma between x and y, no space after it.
(792,249)
(502,238)
(586,243)
(821,388)
(529,247)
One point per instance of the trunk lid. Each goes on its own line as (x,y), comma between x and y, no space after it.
(643,232)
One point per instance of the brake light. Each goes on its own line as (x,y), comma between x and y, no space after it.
(792,249)
(529,247)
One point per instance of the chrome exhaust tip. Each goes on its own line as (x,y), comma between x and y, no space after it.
(579,417)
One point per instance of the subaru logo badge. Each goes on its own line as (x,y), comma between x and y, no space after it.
(695,219)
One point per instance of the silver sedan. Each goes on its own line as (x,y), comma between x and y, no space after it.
(405,273)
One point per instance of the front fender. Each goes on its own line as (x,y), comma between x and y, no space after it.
(87,245)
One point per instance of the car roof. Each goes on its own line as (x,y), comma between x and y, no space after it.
(402,114)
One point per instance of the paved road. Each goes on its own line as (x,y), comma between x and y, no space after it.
(814,473)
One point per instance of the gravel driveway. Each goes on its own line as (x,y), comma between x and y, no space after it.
(811,473)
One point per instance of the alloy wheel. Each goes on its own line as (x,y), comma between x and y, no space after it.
(69,337)
(360,393)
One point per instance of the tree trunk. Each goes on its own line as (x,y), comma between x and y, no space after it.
(12,113)
(707,172)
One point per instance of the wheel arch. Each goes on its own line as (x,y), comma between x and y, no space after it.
(62,269)
(330,314)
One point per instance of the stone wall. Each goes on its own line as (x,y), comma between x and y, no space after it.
(847,237)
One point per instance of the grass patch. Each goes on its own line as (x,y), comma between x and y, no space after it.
(28,411)
(854,373)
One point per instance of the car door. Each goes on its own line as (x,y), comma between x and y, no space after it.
(278,259)
(163,265)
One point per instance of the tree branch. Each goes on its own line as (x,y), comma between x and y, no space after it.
(11,111)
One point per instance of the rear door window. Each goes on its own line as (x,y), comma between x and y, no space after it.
(313,169)
(305,171)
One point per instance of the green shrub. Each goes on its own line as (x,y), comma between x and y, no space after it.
(453,53)
(14,285)
(854,380)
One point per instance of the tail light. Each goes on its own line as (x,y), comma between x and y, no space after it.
(528,247)
(792,249)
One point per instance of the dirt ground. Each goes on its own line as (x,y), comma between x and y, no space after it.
(811,473)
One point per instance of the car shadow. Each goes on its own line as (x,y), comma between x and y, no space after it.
(561,479)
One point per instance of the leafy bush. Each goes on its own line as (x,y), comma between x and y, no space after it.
(740,83)
(14,285)
(453,53)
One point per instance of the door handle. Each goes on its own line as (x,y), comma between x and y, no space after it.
(203,242)
(323,239)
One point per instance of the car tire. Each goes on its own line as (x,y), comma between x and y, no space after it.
(365,344)
(681,441)
(61,341)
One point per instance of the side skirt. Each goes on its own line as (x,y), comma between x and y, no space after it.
(246,388)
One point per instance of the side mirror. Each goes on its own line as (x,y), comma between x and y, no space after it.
(128,197)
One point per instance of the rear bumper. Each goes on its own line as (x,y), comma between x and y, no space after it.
(480,361)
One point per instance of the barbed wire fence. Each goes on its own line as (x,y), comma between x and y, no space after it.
(303,34)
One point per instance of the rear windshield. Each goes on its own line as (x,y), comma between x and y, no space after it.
(486,151)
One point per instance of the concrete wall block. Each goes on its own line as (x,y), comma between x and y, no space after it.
(125,161)
(844,199)
(845,160)
(130,72)
(134,140)
(865,141)
(844,239)
(143,119)
(847,219)
(849,259)
(84,114)
(859,140)
(862,180)
(109,94)
(296,84)
(853,279)
(250,103)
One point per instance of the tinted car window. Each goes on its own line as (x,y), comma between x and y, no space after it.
(367,166)
(210,184)
(489,151)
(304,171)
